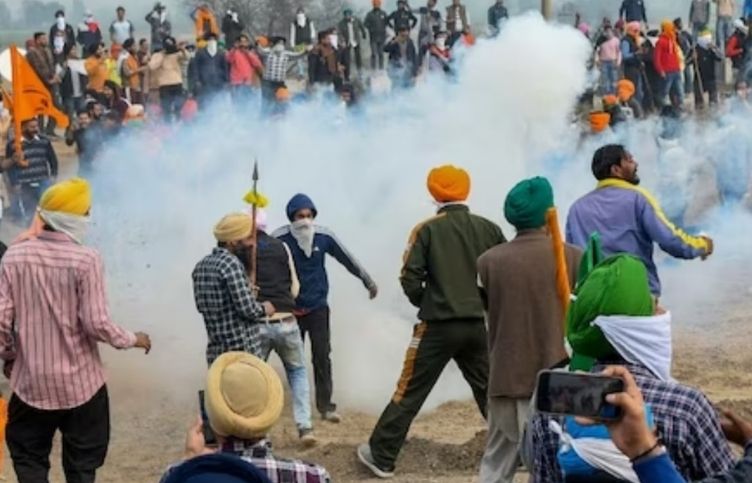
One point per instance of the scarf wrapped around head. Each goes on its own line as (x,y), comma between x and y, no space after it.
(616,286)
(65,207)
(448,184)
(625,89)
(527,203)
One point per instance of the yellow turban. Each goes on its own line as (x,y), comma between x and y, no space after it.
(233,227)
(448,183)
(72,196)
(243,397)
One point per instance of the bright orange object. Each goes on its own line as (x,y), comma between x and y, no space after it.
(563,288)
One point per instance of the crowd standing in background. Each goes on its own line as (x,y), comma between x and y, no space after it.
(501,310)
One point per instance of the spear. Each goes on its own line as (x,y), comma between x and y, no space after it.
(254,206)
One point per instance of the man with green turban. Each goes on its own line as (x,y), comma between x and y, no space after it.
(525,320)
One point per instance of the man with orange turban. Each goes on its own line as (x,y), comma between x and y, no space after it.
(439,277)
(668,59)
(632,56)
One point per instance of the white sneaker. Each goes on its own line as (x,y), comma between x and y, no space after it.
(365,457)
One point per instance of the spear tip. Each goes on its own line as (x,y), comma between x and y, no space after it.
(255,170)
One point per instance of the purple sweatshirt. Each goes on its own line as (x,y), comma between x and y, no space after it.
(629,220)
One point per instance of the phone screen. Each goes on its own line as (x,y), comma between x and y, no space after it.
(577,394)
(209,437)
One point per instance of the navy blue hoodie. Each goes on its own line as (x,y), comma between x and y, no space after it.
(314,282)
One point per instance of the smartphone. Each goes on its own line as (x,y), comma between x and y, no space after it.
(209,437)
(577,394)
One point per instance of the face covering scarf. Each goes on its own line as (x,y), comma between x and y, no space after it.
(211,47)
(303,231)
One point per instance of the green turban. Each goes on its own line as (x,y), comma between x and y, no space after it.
(526,205)
(616,286)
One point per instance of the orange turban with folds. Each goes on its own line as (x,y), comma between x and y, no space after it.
(599,121)
(448,183)
(610,100)
(625,89)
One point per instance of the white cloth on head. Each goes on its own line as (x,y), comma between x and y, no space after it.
(75,226)
(598,453)
(641,340)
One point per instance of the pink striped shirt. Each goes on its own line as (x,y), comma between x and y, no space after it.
(53,312)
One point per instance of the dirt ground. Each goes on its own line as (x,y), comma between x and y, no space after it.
(444,446)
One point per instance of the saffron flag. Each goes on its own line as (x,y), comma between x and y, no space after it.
(31,98)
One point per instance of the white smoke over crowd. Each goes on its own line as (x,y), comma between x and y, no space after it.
(507,116)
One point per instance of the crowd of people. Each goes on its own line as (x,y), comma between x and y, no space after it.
(590,302)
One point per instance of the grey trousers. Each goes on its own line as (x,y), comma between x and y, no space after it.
(506,422)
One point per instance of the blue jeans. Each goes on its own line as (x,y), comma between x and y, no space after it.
(609,77)
(285,339)
(724,30)
(673,84)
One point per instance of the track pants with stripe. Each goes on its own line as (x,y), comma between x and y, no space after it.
(433,345)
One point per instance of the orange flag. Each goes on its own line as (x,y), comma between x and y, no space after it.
(31,98)
(562,277)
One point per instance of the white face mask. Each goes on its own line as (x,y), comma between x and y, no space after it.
(279,47)
(333,40)
(303,231)
(61,23)
(211,47)
(441,43)
(300,18)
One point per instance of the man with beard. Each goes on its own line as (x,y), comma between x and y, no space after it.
(628,218)
(309,244)
(223,292)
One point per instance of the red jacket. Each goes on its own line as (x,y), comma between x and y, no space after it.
(666,57)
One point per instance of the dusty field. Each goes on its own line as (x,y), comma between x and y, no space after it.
(444,446)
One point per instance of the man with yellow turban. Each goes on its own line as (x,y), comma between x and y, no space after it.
(222,290)
(53,314)
(439,277)
(525,318)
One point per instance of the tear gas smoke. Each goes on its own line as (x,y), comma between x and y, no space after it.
(158,195)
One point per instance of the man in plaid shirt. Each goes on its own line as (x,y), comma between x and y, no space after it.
(223,293)
(277,62)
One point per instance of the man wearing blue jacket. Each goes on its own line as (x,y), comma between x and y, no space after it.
(627,217)
(309,243)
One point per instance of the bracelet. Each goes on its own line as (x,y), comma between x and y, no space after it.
(657,445)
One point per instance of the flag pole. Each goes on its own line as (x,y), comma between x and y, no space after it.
(254,208)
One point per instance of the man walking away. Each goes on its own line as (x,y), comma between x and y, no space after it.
(278,284)
(309,244)
(633,11)
(376,22)
(31,171)
(121,28)
(352,32)
(222,291)
(497,14)
(699,16)
(53,302)
(439,277)
(525,321)
(726,10)
(618,206)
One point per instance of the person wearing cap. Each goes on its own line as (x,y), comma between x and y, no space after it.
(278,284)
(439,277)
(352,32)
(53,315)
(614,319)
(627,217)
(376,22)
(736,48)
(222,290)
(31,171)
(525,320)
(309,244)
(244,400)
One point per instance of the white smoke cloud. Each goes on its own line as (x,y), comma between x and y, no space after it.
(507,116)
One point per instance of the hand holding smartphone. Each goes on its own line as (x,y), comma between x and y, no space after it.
(578,394)
(210,439)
